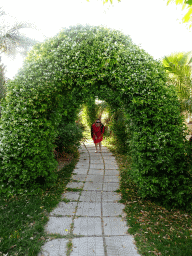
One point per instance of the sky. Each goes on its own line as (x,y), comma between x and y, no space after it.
(154,26)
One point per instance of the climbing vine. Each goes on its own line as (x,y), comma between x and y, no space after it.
(64,72)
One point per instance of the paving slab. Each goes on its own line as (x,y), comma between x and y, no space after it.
(93,186)
(80,171)
(79,177)
(114,226)
(89,209)
(81,166)
(90,196)
(110,197)
(83,160)
(58,225)
(97,178)
(121,246)
(108,154)
(111,167)
(111,178)
(82,156)
(88,246)
(55,247)
(64,209)
(112,209)
(98,166)
(109,161)
(70,195)
(87,226)
(94,171)
(112,172)
(93,153)
(91,148)
(75,185)
(96,161)
(110,186)
(104,149)
(83,150)
(83,153)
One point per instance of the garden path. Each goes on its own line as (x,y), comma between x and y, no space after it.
(93,222)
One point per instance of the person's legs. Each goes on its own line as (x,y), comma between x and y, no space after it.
(96,147)
(100,146)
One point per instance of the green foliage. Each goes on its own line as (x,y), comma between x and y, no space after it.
(159,149)
(91,110)
(178,67)
(66,71)
(69,134)
(187,5)
(120,128)
(2,84)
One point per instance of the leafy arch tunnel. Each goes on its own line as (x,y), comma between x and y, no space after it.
(64,72)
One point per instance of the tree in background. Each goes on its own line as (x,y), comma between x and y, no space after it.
(179,67)
(90,110)
(187,5)
(2,83)
(12,40)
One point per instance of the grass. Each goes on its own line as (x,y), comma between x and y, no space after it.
(22,218)
(156,230)
(69,247)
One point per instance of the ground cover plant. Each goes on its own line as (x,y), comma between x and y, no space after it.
(60,75)
(22,218)
(156,230)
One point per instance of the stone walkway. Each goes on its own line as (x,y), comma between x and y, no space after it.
(93,222)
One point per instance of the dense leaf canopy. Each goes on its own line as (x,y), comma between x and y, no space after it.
(64,72)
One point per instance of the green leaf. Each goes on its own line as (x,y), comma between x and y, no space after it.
(187,16)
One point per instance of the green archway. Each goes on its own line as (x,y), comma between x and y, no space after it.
(62,73)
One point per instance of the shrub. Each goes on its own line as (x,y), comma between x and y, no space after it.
(2,84)
(120,127)
(68,135)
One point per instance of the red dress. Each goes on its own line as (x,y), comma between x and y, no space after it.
(98,131)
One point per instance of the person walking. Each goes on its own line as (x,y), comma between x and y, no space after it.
(97,131)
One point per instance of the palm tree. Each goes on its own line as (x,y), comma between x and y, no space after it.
(179,68)
(11,39)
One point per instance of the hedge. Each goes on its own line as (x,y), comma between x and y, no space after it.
(80,62)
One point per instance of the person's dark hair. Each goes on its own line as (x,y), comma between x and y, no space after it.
(98,120)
